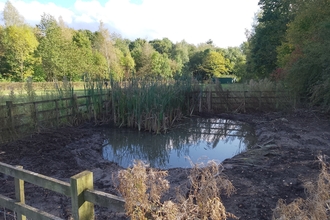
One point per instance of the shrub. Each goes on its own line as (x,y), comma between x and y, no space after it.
(315,206)
(143,188)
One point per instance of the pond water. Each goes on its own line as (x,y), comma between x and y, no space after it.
(193,140)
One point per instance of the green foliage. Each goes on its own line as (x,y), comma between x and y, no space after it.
(207,64)
(214,64)
(91,62)
(305,58)
(180,57)
(18,44)
(52,51)
(235,60)
(267,35)
(150,105)
(112,54)
(163,46)
(126,60)
(55,52)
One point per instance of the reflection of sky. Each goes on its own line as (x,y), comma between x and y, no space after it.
(191,140)
(201,151)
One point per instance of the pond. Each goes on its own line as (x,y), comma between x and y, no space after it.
(193,140)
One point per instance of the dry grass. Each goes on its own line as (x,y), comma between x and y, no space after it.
(143,188)
(317,204)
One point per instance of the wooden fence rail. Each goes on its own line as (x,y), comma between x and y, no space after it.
(242,101)
(80,189)
(21,118)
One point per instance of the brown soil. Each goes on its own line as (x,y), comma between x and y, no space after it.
(283,158)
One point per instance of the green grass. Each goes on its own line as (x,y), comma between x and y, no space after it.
(19,92)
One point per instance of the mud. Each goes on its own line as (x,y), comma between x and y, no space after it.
(284,157)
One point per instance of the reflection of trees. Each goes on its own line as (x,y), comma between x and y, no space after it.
(127,145)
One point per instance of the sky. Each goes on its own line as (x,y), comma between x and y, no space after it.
(195,21)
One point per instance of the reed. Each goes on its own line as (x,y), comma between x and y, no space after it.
(95,91)
(149,105)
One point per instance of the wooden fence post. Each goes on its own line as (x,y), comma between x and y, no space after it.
(81,209)
(90,112)
(227,100)
(209,101)
(75,105)
(200,101)
(244,96)
(10,113)
(19,194)
(57,112)
(277,99)
(35,115)
(75,108)
(107,105)
(260,94)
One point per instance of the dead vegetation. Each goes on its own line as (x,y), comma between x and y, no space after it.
(143,187)
(317,204)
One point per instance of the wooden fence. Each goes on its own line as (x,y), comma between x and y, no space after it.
(80,189)
(241,101)
(23,118)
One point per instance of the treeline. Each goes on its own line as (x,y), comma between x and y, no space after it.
(52,51)
(290,43)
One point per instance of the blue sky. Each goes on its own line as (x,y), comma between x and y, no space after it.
(196,21)
(67,3)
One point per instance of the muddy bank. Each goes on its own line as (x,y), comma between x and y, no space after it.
(282,159)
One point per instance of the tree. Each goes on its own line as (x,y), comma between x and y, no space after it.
(67,33)
(11,16)
(92,63)
(105,45)
(180,57)
(268,34)
(142,55)
(207,64)
(60,56)
(50,47)
(136,48)
(18,44)
(163,46)
(160,66)
(214,65)
(235,60)
(305,53)
(126,60)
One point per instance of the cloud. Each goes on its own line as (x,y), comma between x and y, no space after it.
(196,21)
(33,10)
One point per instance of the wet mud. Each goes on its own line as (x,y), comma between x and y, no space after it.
(282,160)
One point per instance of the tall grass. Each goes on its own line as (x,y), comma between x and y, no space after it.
(150,105)
(95,91)
(143,188)
(146,105)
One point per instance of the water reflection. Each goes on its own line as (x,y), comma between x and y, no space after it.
(194,138)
